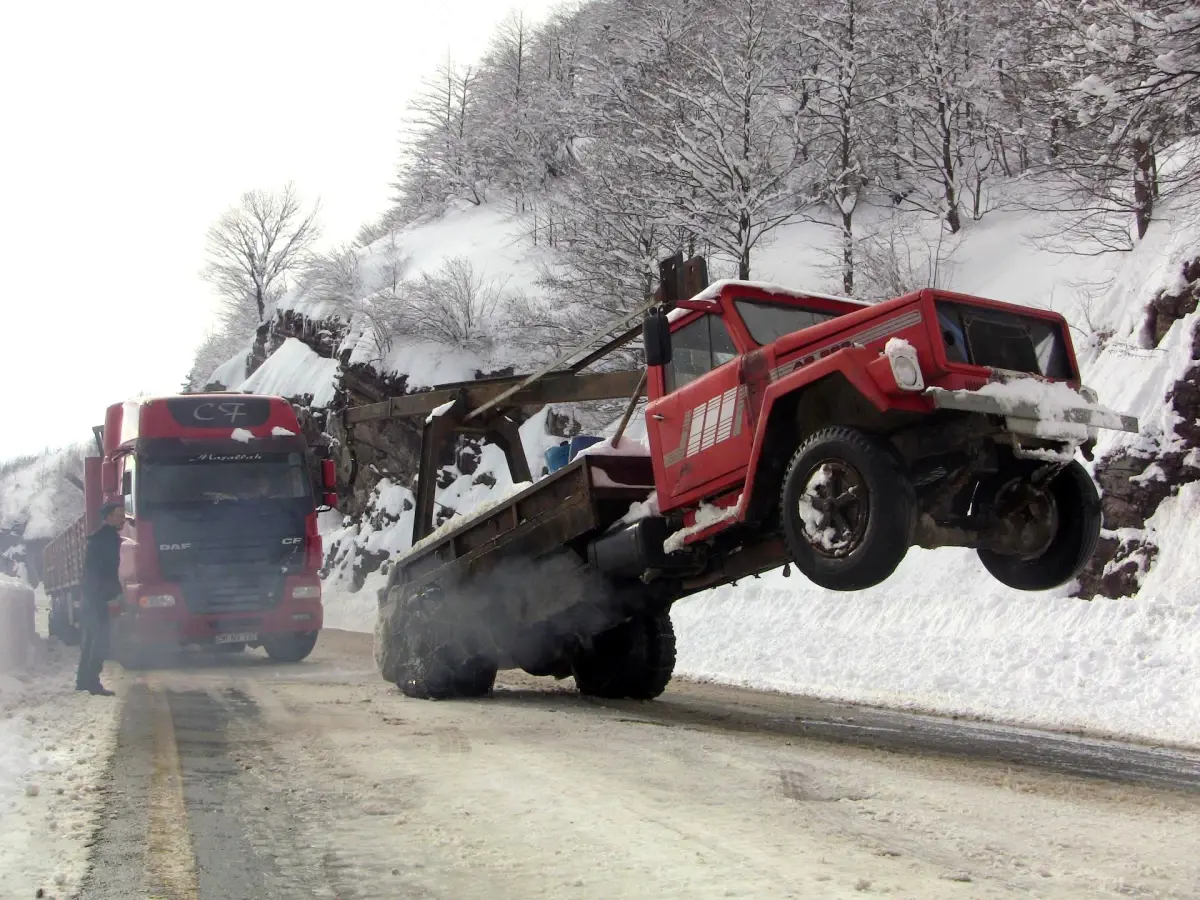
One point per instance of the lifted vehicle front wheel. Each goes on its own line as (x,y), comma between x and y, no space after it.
(1069,502)
(848,510)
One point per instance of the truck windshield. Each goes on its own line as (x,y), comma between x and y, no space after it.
(175,482)
(767,322)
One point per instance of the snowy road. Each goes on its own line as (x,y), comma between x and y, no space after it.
(244,779)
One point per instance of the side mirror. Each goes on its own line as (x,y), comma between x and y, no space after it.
(329,475)
(656,338)
(127,484)
(108,478)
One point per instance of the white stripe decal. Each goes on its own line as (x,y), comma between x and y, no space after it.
(725,421)
(697,429)
(710,422)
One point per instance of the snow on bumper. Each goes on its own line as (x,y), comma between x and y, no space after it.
(1026,414)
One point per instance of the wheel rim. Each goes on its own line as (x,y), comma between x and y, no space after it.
(1034,510)
(834,509)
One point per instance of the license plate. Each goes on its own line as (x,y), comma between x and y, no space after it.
(236,638)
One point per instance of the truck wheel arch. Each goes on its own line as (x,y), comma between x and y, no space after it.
(795,408)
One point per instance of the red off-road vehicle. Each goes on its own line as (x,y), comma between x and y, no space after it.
(785,427)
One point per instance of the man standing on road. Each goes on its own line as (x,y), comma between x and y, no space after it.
(100,585)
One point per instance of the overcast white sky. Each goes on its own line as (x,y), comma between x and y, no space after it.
(127,127)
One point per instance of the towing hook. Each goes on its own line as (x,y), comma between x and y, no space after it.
(787,570)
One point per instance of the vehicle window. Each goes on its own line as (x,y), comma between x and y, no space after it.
(768,322)
(166,483)
(697,349)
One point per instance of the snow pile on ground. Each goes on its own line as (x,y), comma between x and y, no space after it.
(54,746)
(292,370)
(928,640)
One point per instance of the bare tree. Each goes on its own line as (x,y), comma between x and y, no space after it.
(256,245)
(456,307)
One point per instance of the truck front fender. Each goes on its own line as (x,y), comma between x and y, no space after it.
(833,391)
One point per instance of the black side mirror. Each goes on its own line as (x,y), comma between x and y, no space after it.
(127,484)
(656,338)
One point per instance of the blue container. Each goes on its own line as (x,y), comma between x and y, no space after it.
(557,457)
(580,442)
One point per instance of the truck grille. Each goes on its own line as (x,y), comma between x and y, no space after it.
(220,594)
(998,339)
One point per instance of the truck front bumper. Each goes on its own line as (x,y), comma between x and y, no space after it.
(176,625)
(1074,423)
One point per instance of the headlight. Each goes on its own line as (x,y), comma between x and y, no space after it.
(156,601)
(306,592)
(906,367)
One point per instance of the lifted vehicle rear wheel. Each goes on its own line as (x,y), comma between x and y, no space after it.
(635,660)
(291,648)
(426,656)
(1072,504)
(848,510)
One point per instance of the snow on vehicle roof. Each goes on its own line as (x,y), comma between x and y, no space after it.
(713,291)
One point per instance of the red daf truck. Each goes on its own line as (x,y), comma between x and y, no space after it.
(220,546)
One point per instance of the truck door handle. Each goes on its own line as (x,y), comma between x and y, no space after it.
(657,417)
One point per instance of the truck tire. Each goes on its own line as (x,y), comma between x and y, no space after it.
(290,648)
(1076,506)
(634,660)
(848,510)
(427,655)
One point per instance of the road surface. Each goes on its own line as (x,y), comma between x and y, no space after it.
(239,778)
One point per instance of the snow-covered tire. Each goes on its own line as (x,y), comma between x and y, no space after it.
(420,649)
(848,510)
(290,648)
(634,660)
(1079,515)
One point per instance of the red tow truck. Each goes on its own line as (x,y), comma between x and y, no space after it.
(220,546)
(786,428)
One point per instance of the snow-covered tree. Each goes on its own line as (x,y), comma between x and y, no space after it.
(725,138)
(1134,73)
(444,156)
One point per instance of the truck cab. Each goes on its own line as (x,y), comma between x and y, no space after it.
(221,545)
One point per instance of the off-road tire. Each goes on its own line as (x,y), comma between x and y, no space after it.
(634,660)
(290,648)
(424,654)
(1071,548)
(881,541)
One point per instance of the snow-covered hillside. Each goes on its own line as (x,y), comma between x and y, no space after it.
(36,502)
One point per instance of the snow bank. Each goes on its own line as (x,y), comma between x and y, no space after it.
(292,370)
(930,640)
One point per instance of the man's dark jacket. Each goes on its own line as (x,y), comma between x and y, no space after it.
(100,564)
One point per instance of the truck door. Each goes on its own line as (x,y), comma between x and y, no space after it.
(698,430)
